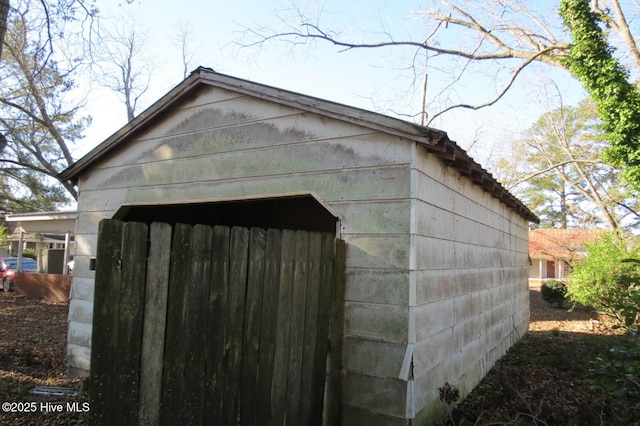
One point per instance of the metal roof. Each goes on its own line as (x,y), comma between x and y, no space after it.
(434,141)
(45,222)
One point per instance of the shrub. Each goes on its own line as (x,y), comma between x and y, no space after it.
(608,279)
(30,253)
(554,292)
(617,372)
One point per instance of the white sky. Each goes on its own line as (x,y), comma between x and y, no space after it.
(374,79)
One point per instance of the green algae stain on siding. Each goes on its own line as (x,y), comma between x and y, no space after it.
(214,131)
(246,149)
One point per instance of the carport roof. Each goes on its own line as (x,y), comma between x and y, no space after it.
(435,141)
(45,222)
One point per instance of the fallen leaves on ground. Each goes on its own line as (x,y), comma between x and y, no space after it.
(33,340)
(543,380)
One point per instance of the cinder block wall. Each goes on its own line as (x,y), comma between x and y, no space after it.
(471,294)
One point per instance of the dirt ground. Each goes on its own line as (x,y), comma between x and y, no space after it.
(543,380)
(33,338)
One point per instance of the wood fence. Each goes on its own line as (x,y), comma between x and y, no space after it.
(215,325)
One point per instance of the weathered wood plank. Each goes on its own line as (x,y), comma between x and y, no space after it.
(235,323)
(102,396)
(325,305)
(310,331)
(195,323)
(297,317)
(268,324)
(252,317)
(334,271)
(173,388)
(217,324)
(155,320)
(129,343)
(283,323)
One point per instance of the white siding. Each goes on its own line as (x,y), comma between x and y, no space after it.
(471,283)
(223,147)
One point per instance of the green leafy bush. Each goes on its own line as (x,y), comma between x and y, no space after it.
(608,279)
(617,372)
(554,292)
(30,253)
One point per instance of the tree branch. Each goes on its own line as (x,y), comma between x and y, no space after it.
(504,91)
(548,169)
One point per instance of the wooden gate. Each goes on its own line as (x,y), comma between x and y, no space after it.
(213,325)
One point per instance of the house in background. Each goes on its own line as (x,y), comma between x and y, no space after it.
(50,234)
(435,262)
(552,251)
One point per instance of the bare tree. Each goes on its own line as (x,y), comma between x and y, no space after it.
(4,12)
(40,121)
(183,40)
(70,10)
(122,61)
(511,33)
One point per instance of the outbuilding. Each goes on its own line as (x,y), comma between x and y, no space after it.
(430,289)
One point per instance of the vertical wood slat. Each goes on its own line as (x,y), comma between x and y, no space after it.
(333,402)
(325,303)
(105,316)
(155,319)
(119,299)
(281,350)
(247,319)
(268,324)
(308,392)
(296,324)
(173,387)
(252,318)
(195,323)
(239,248)
(217,324)
(129,343)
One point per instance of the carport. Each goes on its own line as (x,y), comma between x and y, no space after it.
(59,223)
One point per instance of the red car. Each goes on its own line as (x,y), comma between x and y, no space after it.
(8,268)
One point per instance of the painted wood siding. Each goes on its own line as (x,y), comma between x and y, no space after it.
(470,276)
(223,146)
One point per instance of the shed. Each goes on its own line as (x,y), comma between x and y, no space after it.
(435,259)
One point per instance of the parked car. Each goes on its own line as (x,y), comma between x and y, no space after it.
(8,268)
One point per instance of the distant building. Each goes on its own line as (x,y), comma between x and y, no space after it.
(553,250)
(50,234)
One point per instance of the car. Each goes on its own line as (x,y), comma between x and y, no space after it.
(8,268)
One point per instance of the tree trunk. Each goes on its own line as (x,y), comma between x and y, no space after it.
(4,12)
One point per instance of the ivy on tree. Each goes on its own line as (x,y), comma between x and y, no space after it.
(590,59)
